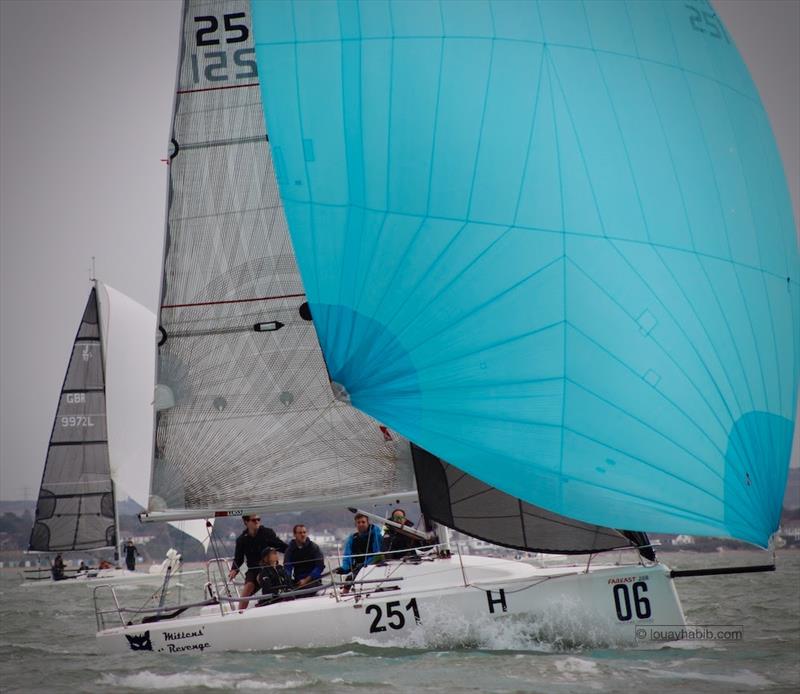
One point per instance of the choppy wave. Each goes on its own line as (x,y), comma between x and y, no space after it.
(745,678)
(207,679)
(50,640)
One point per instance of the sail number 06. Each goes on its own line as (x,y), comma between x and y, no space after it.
(623,601)
(395,617)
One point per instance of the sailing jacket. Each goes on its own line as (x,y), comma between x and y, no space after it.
(274,580)
(250,547)
(306,560)
(130,554)
(368,543)
(394,541)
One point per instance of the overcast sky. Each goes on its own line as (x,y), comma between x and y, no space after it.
(85,102)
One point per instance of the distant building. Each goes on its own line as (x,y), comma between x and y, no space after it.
(141,539)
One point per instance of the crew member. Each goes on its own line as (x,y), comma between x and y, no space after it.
(397,543)
(130,555)
(58,568)
(362,547)
(303,559)
(249,545)
(272,577)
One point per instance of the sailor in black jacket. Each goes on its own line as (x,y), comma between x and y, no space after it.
(303,560)
(250,545)
(272,577)
(396,543)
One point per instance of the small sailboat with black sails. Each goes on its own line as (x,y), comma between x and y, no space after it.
(89,455)
(548,243)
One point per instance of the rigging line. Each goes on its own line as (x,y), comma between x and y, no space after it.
(233,301)
(216,89)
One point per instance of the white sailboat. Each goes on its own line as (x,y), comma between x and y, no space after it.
(247,419)
(97,446)
(445,237)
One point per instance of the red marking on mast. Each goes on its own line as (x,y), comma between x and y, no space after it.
(216,89)
(233,301)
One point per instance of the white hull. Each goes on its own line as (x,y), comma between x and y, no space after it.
(107,577)
(436,601)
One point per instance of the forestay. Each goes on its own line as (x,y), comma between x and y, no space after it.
(246,417)
(549,242)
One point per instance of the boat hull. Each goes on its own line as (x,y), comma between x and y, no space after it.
(106,577)
(432,604)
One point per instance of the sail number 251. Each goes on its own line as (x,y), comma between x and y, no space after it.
(214,64)
(395,615)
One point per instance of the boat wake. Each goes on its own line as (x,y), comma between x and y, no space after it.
(205,679)
(558,629)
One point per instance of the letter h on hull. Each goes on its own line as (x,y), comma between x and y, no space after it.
(496,601)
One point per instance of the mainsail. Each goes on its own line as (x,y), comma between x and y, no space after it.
(75,509)
(246,417)
(549,242)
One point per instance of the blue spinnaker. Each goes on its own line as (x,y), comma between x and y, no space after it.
(549,242)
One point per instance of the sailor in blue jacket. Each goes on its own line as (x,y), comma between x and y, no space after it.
(366,540)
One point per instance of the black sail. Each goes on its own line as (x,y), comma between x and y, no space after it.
(460,501)
(75,509)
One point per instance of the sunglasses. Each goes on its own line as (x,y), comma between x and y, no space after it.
(253,520)
(398,516)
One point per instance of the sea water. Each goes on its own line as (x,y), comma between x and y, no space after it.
(47,642)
